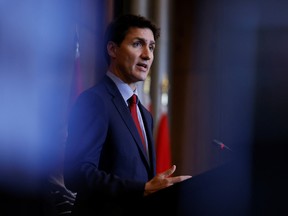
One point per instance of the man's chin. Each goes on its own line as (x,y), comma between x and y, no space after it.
(143,76)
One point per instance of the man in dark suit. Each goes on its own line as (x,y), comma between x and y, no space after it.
(107,163)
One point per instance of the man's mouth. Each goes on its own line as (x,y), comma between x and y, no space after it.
(142,65)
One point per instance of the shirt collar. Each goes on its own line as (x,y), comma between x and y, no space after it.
(123,87)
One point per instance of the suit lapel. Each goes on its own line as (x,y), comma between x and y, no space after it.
(148,128)
(124,112)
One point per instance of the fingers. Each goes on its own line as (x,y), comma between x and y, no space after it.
(185,177)
(177,179)
(163,180)
(168,172)
(172,180)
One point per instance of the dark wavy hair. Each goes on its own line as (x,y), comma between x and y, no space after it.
(117,29)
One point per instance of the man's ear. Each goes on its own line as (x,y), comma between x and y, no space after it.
(111,49)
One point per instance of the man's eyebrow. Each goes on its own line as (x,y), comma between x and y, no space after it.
(145,41)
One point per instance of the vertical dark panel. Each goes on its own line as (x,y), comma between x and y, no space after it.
(182,58)
(212,80)
(271,128)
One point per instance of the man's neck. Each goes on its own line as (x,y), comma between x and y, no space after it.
(119,75)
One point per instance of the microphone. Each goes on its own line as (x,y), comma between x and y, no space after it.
(222,145)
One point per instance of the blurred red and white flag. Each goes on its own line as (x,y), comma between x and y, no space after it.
(163,148)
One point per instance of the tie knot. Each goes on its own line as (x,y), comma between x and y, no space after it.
(133,99)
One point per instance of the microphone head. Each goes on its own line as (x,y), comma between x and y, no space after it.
(222,145)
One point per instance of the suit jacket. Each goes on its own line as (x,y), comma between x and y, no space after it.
(105,161)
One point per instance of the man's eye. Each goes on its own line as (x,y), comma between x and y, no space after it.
(136,44)
(152,48)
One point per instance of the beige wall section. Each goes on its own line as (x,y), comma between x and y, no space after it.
(160,14)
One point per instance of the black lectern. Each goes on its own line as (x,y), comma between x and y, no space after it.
(223,191)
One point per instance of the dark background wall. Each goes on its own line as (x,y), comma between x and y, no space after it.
(270,128)
(228,82)
(232,72)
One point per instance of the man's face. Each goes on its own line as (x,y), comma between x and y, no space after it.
(134,56)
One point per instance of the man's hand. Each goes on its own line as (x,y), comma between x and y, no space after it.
(163,180)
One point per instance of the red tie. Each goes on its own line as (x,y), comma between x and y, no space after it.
(133,110)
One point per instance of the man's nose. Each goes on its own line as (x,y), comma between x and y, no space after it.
(146,53)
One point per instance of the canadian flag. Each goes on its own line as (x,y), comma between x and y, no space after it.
(163,149)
